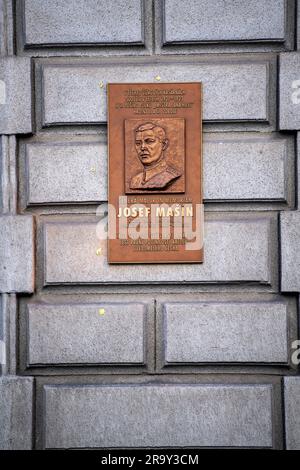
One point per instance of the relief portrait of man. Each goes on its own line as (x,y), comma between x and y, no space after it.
(151,143)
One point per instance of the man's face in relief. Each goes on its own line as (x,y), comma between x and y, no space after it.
(149,147)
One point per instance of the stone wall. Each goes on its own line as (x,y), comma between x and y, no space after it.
(149,356)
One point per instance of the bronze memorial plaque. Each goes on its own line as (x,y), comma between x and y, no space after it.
(155,211)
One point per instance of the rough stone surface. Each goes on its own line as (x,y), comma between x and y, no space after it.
(248,169)
(2,46)
(298,164)
(70,256)
(239,169)
(15,95)
(86,333)
(289,91)
(83,22)
(206,371)
(290,251)
(237,92)
(298,24)
(163,415)
(292,412)
(206,21)
(17,254)
(2,183)
(66,172)
(225,332)
(16,413)
(2,339)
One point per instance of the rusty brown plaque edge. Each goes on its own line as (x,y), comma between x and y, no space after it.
(155,211)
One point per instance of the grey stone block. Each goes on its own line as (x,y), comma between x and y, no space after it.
(66,172)
(2,39)
(298,166)
(298,24)
(232,91)
(235,250)
(158,416)
(17,254)
(235,168)
(290,251)
(188,21)
(205,332)
(103,333)
(82,22)
(8,332)
(3,354)
(15,95)
(247,168)
(16,406)
(8,174)
(292,412)
(7,27)
(289,91)
(2,177)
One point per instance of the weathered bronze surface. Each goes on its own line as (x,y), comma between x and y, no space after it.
(155,170)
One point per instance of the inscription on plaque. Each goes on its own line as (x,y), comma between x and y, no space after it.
(155,173)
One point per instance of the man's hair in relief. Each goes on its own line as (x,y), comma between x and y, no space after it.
(149,126)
